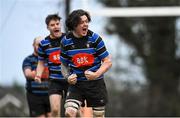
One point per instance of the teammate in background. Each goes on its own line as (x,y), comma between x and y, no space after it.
(37,94)
(50,50)
(86,55)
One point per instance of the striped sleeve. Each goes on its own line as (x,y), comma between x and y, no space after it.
(26,64)
(41,52)
(64,58)
(100,48)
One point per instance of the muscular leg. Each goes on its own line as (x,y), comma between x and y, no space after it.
(86,111)
(55,101)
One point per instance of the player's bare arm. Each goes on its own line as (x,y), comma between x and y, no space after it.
(30,74)
(106,64)
(65,70)
(39,70)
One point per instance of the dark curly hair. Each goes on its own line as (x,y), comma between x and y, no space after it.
(74,18)
(52,17)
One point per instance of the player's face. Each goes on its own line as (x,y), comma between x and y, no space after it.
(82,28)
(36,46)
(54,28)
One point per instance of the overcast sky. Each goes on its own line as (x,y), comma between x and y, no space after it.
(22,20)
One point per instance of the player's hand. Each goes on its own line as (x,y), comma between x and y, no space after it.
(72,79)
(90,75)
(37,79)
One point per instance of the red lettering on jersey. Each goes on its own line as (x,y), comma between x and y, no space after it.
(83,59)
(55,57)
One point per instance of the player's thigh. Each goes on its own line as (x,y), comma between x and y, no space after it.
(55,101)
(57,87)
(97,96)
(74,98)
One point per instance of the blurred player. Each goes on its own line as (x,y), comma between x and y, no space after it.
(49,50)
(37,93)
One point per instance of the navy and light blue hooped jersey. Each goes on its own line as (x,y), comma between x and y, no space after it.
(82,54)
(49,49)
(32,86)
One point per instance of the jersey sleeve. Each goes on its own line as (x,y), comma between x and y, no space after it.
(101,48)
(26,64)
(64,58)
(41,52)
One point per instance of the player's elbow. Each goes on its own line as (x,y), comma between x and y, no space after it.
(109,63)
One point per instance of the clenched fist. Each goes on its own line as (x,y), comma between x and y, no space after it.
(72,79)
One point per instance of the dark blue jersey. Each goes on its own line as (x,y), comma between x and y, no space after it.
(83,54)
(49,49)
(34,87)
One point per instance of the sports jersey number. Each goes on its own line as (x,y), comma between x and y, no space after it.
(83,59)
(55,57)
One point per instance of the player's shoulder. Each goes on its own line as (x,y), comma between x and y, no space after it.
(68,35)
(93,36)
(66,38)
(29,57)
(45,41)
(63,34)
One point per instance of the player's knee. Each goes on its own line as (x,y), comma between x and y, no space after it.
(98,111)
(70,112)
(71,108)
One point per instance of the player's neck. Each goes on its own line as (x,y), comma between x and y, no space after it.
(55,37)
(76,35)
